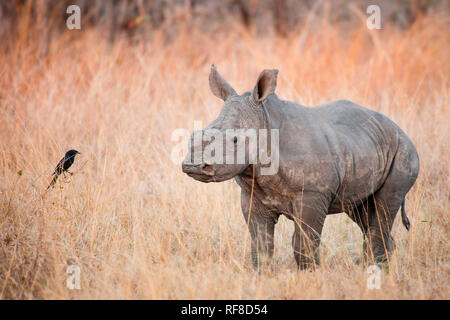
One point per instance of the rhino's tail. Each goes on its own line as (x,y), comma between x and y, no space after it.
(405,219)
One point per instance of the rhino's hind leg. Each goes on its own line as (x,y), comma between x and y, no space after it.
(374,217)
(387,202)
(360,215)
(379,243)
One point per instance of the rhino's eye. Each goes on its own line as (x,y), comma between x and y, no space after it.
(235,139)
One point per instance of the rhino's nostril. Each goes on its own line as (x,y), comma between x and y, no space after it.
(207,169)
(203,168)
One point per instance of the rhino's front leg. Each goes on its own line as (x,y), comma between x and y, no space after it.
(309,217)
(261,224)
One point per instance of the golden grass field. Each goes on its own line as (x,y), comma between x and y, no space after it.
(138,227)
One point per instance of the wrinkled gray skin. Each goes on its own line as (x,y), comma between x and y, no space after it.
(336,157)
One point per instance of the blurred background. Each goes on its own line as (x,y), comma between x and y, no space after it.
(116,90)
(137,19)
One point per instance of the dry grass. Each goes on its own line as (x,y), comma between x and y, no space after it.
(138,227)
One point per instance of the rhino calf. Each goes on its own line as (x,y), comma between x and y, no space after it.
(333,158)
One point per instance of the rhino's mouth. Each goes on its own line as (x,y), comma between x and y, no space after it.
(200,172)
(201,177)
(205,173)
(207,178)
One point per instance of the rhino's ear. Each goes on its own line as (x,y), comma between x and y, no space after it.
(265,86)
(219,86)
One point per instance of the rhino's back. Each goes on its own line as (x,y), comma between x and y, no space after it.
(339,149)
(349,114)
(362,144)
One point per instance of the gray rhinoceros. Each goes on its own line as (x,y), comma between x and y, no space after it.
(333,158)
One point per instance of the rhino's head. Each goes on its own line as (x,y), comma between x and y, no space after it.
(227,146)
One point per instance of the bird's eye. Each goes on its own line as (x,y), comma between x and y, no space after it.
(235,139)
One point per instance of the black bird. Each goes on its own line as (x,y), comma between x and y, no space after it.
(64,165)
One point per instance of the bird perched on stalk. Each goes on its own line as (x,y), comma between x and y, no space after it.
(63,165)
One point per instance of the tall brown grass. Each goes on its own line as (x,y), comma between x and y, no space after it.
(138,227)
